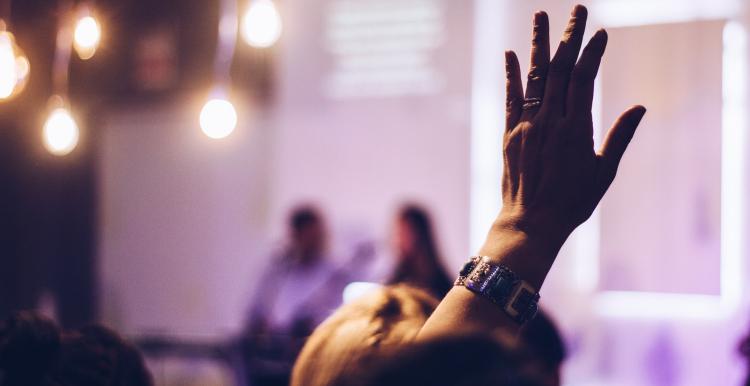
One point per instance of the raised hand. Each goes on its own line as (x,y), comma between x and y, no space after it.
(553,178)
(552,173)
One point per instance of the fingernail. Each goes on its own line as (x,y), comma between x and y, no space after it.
(601,34)
(579,11)
(641,112)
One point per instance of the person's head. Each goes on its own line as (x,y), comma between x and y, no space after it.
(307,232)
(96,355)
(34,351)
(461,359)
(542,339)
(29,345)
(413,234)
(344,344)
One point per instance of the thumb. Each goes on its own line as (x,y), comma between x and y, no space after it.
(616,142)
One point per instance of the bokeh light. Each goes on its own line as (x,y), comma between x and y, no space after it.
(261,25)
(60,132)
(86,37)
(218,118)
(14,66)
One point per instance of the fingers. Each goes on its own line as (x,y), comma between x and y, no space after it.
(561,66)
(616,142)
(539,60)
(514,103)
(581,88)
(513,91)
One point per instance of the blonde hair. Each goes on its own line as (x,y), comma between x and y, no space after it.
(341,346)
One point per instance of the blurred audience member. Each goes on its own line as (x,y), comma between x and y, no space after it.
(417,258)
(29,347)
(96,355)
(299,289)
(34,351)
(345,344)
(476,359)
(542,339)
(744,349)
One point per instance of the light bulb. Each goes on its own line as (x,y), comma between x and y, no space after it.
(86,37)
(261,25)
(14,66)
(218,118)
(60,132)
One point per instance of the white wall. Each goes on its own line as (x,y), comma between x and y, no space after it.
(182,220)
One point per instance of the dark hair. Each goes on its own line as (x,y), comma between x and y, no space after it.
(29,345)
(35,351)
(302,217)
(420,223)
(476,359)
(96,355)
(542,338)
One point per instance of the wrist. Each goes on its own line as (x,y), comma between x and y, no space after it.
(527,250)
(536,223)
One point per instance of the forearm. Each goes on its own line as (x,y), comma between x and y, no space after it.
(527,253)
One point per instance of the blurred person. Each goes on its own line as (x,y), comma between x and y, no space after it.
(744,349)
(543,341)
(417,257)
(298,290)
(96,355)
(29,346)
(346,343)
(35,351)
(476,359)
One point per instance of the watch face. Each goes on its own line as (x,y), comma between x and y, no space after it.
(500,288)
(525,302)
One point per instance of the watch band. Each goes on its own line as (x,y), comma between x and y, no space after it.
(466,270)
(498,283)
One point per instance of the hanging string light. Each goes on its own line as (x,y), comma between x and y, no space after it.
(87,34)
(14,65)
(60,132)
(218,117)
(261,24)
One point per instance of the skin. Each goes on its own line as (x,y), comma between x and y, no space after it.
(553,178)
(404,238)
(310,243)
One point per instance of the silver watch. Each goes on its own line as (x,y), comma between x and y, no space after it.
(496,282)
